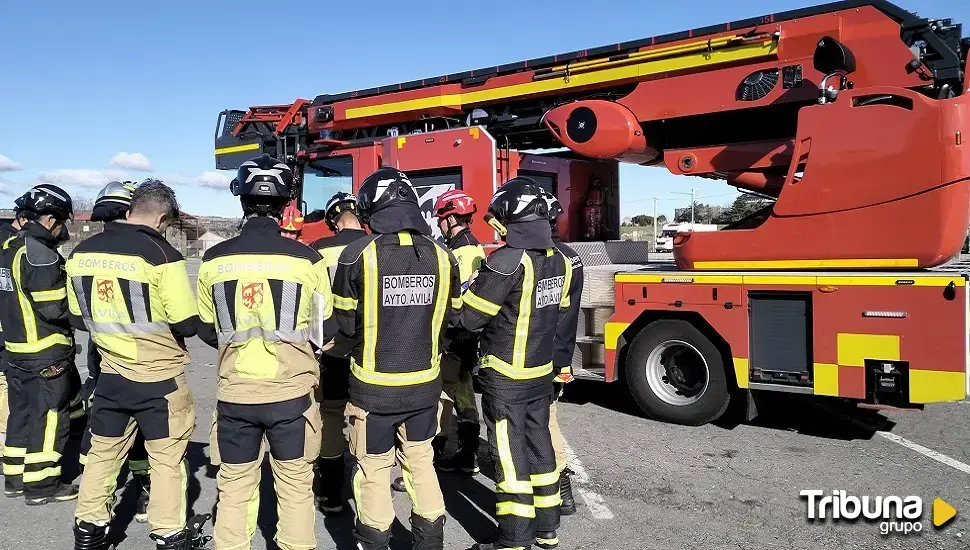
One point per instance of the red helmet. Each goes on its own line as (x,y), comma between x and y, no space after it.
(292,219)
(454,202)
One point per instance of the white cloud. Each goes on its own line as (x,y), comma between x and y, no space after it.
(7,165)
(132,161)
(215,180)
(81,177)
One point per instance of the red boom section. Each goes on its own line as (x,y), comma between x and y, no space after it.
(886,184)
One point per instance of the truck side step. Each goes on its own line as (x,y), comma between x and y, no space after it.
(590,340)
(590,372)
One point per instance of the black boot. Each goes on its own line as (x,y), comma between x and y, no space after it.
(13,489)
(547,540)
(189,538)
(466,459)
(88,536)
(144,485)
(398,485)
(428,535)
(568,506)
(331,485)
(63,493)
(369,538)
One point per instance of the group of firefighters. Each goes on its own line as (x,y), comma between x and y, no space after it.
(384,332)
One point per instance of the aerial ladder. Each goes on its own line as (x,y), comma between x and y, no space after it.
(849,118)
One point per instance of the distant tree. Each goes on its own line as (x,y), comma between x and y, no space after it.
(743,206)
(702,214)
(82,204)
(661,219)
(642,220)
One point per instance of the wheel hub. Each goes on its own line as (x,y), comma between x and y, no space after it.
(677,373)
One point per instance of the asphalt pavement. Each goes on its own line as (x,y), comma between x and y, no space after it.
(641,484)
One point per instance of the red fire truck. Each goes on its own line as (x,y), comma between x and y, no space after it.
(851,116)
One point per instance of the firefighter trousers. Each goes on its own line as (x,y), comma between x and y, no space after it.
(3,410)
(526,477)
(373,440)
(558,441)
(333,394)
(38,428)
(458,395)
(292,429)
(138,463)
(164,412)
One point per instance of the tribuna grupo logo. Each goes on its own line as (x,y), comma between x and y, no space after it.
(895,514)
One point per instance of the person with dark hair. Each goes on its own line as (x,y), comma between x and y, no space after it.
(112,206)
(130,289)
(7,232)
(265,304)
(41,373)
(395,293)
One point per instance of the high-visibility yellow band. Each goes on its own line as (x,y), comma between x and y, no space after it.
(481,304)
(809,264)
(40,458)
(510,483)
(49,295)
(548,502)
(345,304)
(524,373)
(41,475)
(14,452)
(237,148)
(39,345)
(393,379)
(551,478)
(456,303)
(515,509)
(13,469)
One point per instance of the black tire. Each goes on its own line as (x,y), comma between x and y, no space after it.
(710,402)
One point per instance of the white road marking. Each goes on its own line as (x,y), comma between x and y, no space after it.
(594,501)
(925,451)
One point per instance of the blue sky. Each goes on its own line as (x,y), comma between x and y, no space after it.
(141,84)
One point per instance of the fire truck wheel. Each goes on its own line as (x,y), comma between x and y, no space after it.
(676,374)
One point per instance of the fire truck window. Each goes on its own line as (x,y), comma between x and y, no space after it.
(429,184)
(545,180)
(321,179)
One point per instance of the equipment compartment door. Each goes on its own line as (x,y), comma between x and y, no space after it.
(780,337)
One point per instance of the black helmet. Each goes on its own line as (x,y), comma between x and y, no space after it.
(46,199)
(263,176)
(520,200)
(337,205)
(553,205)
(383,188)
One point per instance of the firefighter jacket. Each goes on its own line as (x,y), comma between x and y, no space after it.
(261,296)
(331,247)
(7,232)
(129,288)
(394,296)
(565,341)
(470,255)
(33,301)
(517,302)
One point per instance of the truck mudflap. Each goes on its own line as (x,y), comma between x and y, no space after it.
(892,339)
(230,150)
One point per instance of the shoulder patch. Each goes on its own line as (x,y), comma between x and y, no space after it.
(39,255)
(504,261)
(352,251)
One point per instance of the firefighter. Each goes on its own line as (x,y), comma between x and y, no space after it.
(291,224)
(263,299)
(8,231)
(516,302)
(41,374)
(565,345)
(340,215)
(454,210)
(395,293)
(111,206)
(130,289)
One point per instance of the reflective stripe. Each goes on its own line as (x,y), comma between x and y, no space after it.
(34,477)
(82,459)
(456,303)
(515,509)
(547,542)
(566,299)
(548,502)
(525,312)
(405,238)
(99,327)
(14,452)
(222,307)
(26,309)
(38,345)
(526,373)
(269,335)
(371,376)
(481,304)
(440,304)
(13,469)
(551,478)
(288,306)
(82,299)
(370,307)
(139,311)
(40,458)
(49,295)
(509,482)
(346,304)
